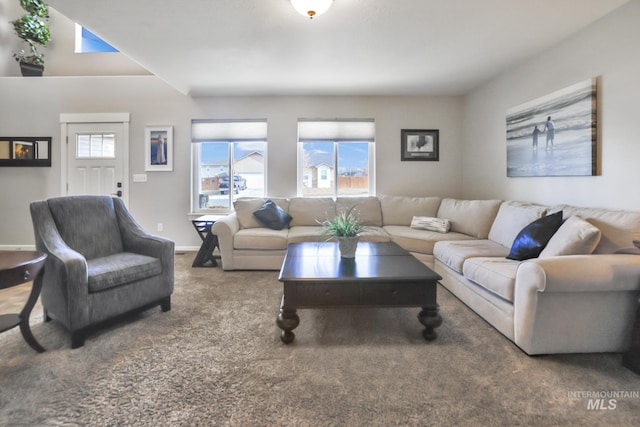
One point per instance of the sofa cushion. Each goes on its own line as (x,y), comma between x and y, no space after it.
(119,269)
(497,275)
(420,241)
(310,210)
(366,208)
(512,217)
(260,238)
(619,228)
(454,253)
(272,216)
(399,210)
(472,217)
(306,233)
(534,237)
(574,237)
(374,234)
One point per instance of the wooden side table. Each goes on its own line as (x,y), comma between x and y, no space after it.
(205,255)
(16,268)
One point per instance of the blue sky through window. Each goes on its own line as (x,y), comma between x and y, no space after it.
(352,156)
(93,43)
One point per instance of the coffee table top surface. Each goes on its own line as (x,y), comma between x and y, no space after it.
(383,261)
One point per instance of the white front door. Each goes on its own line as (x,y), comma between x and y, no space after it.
(95,159)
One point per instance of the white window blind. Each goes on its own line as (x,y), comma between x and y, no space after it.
(336,130)
(228,130)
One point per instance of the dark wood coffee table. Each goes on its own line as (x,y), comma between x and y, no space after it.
(381,275)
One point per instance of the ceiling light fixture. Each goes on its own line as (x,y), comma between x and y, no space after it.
(311,8)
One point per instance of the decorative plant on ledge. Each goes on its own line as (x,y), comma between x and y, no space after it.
(32,29)
(346,228)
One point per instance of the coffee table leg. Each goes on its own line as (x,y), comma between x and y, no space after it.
(287,320)
(430,318)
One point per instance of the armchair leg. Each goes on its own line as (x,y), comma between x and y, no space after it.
(77,339)
(165,304)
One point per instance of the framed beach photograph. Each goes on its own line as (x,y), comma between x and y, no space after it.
(554,135)
(158,143)
(420,144)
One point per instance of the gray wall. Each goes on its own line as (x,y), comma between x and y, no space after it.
(32,106)
(608,49)
(472,153)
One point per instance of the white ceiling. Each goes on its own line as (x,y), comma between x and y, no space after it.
(358,47)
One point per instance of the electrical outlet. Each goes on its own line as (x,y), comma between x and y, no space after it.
(160,226)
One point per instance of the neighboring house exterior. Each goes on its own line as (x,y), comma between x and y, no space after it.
(318,170)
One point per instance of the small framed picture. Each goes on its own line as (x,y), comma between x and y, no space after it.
(420,144)
(158,144)
(23,150)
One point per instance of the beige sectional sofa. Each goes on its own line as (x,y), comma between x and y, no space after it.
(579,295)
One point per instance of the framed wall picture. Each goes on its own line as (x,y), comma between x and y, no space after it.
(158,143)
(25,151)
(554,135)
(420,144)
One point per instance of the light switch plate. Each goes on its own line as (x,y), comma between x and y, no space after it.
(139,177)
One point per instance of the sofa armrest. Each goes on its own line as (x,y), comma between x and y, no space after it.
(580,273)
(596,295)
(225,228)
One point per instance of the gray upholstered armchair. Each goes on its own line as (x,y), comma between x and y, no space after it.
(101,263)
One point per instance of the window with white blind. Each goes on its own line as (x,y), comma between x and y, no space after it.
(228,161)
(336,157)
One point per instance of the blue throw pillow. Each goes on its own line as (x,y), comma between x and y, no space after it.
(534,237)
(272,216)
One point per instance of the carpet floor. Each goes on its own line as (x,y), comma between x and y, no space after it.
(216,359)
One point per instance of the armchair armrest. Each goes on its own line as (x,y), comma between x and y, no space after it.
(65,268)
(225,228)
(137,240)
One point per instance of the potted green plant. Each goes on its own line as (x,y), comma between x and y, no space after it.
(346,228)
(33,29)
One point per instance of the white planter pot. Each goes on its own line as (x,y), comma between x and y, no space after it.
(348,246)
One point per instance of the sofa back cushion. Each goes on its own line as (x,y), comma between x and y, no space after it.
(619,228)
(366,208)
(512,217)
(246,206)
(471,217)
(400,210)
(575,237)
(310,210)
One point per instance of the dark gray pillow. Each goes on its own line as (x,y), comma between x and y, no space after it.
(534,237)
(273,216)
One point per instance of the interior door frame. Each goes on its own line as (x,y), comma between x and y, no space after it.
(73,118)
